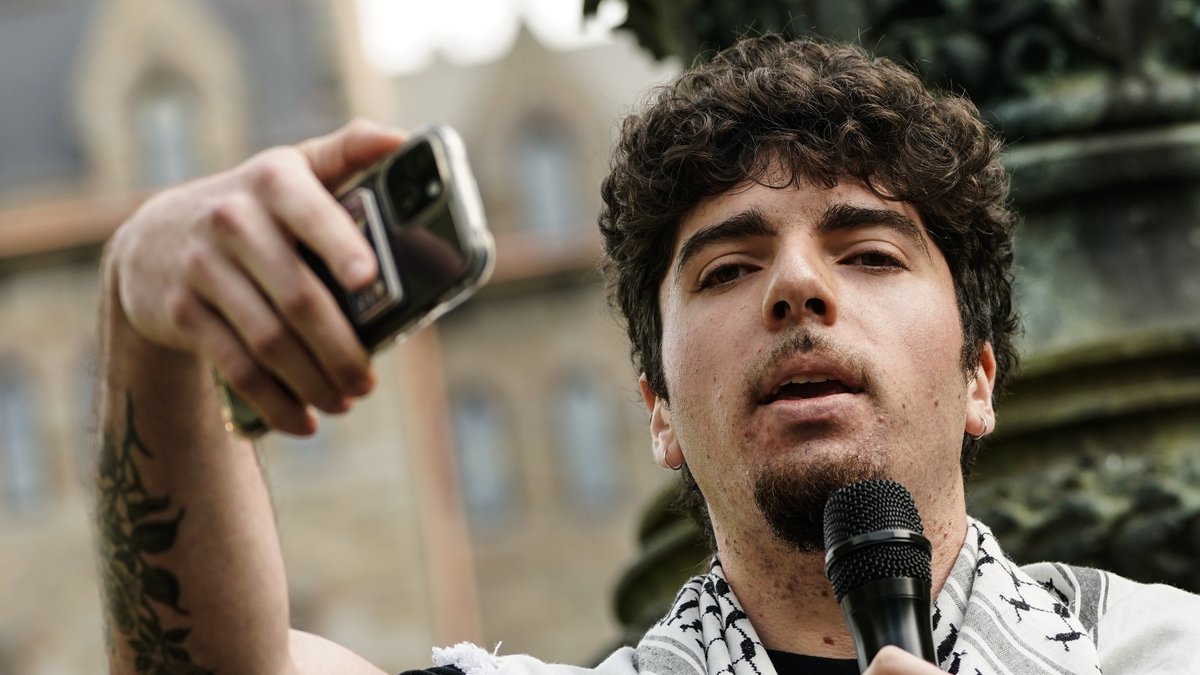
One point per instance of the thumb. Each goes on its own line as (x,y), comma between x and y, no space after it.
(337,156)
(892,660)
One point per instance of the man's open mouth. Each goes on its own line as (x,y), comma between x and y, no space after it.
(798,388)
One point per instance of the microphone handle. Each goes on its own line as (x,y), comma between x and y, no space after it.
(890,612)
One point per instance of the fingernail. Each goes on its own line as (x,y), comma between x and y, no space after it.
(364,384)
(359,272)
(311,421)
(361,386)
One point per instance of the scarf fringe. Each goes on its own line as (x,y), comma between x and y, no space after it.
(470,658)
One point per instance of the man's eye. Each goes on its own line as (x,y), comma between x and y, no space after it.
(722,275)
(877,259)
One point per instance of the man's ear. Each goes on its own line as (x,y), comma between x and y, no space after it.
(981,416)
(667,452)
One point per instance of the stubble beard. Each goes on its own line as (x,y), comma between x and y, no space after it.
(792,497)
(791,494)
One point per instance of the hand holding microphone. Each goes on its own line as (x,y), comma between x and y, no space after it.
(891,660)
(879,563)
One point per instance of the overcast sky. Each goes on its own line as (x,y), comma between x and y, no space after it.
(402,36)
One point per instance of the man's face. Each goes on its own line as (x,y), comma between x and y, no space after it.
(811,335)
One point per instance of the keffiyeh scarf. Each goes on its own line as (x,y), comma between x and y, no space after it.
(990,617)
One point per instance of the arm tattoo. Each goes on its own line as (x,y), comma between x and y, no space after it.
(134,524)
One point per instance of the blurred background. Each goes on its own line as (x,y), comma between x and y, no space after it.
(489,489)
(498,486)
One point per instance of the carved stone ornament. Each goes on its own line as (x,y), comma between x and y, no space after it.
(1035,68)
(1137,515)
(1041,68)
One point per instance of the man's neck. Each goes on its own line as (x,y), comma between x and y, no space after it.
(790,601)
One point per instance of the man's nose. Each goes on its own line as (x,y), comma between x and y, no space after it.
(800,288)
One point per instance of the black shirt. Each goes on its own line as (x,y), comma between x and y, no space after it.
(787,663)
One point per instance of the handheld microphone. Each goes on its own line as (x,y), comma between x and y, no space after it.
(879,562)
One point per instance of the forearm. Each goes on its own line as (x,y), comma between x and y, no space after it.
(193,575)
(206,275)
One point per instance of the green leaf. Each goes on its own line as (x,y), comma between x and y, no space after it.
(121,613)
(110,523)
(149,631)
(156,537)
(127,559)
(142,508)
(108,459)
(161,586)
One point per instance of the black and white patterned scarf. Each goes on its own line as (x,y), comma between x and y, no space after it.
(990,617)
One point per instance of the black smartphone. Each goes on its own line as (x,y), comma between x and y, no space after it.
(420,210)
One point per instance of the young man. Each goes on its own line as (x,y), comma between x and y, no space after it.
(812,255)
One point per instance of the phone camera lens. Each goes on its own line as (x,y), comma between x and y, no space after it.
(419,162)
(414,181)
(409,201)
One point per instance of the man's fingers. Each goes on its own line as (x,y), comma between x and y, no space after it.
(211,336)
(892,660)
(302,199)
(283,182)
(300,299)
(337,156)
(221,284)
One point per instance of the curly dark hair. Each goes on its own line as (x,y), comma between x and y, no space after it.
(825,112)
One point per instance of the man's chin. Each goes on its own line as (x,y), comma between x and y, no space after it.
(792,498)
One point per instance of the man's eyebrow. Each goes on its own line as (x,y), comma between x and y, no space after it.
(749,223)
(849,217)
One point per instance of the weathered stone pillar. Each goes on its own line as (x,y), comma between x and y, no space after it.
(1096,458)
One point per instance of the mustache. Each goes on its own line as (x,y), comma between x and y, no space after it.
(805,342)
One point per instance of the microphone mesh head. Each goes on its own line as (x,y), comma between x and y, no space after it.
(870,506)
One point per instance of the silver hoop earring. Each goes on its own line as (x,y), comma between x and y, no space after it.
(673,467)
(983,433)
